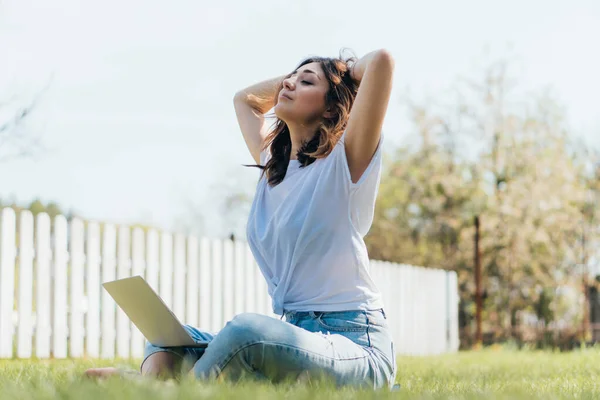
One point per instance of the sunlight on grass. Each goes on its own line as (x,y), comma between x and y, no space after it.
(469,375)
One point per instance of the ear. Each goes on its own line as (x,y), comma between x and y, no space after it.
(328,113)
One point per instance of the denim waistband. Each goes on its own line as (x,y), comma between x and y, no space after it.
(289,314)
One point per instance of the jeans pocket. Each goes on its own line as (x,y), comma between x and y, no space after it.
(343,321)
(353,325)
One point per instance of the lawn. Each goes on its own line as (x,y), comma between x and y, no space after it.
(466,375)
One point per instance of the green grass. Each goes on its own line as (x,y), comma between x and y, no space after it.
(468,375)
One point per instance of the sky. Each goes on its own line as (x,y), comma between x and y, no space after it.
(136,116)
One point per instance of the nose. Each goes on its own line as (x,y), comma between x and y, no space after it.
(288,84)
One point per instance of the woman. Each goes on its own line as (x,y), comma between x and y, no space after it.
(321,166)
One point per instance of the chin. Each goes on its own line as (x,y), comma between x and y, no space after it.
(282,113)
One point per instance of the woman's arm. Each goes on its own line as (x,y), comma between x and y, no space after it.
(250,106)
(374,71)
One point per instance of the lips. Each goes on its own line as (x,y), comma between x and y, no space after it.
(285,96)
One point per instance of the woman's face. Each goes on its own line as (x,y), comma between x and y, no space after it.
(302,98)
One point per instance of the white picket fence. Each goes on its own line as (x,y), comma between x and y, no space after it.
(52,303)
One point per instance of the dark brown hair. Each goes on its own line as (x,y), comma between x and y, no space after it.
(339,99)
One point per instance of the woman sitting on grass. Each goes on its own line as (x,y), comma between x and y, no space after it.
(320,170)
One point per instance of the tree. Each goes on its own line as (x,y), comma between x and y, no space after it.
(519,173)
(15,140)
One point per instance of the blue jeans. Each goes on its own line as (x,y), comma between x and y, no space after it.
(350,347)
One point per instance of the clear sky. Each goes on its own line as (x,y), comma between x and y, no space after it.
(138,123)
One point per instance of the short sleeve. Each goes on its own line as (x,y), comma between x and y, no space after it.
(363,193)
(373,169)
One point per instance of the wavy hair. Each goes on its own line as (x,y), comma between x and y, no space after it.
(339,99)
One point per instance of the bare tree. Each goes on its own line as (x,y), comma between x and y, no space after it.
(15,139)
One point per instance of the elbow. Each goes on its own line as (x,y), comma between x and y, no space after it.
(385,58)
(239,96)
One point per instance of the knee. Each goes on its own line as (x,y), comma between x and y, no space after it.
(245,328)
(232,353)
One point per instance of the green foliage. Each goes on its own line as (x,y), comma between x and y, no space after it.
(515,166)
(35,207)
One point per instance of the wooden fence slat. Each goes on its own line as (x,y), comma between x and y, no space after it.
(123,271)
(7,280)
(453,300)
(92,321)
(76,305)
(250,281)
(166,268)
(216,273)
(137,268)
(152,265)
(25,327)
(239,275)
(406,337)
(109,243)
(179,286)
(204,275)
(192,299)
(228,280)
(43,326)
(59,312)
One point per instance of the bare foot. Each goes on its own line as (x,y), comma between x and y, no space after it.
(102,373)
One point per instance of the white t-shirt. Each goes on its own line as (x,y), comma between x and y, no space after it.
(306,234)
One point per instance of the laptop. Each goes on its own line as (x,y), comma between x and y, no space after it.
(149,313)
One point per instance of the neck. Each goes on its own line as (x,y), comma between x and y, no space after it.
(300,133)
